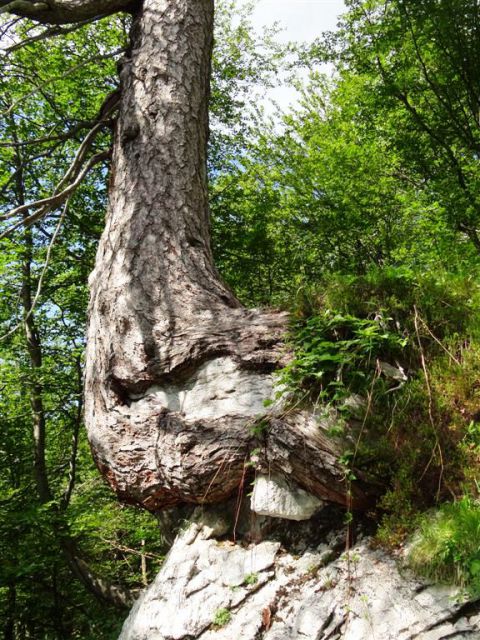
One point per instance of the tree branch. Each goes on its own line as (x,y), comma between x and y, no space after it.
(83,63)
(19,7)
(36,297)
(48,203)
(100,588)
(61,137)
(65,11)
(76,430)
(58,197)
(50,32)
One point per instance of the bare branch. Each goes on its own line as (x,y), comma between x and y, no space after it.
(80,155)
(30,311)
(61,137)
(53,199)
(67,494)
(6,26)
(22,6)
(49,203)
(438,446)
(124,549)
(45,205)
(50,32)
(67,73)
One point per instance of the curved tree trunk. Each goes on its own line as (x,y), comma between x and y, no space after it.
(177,368)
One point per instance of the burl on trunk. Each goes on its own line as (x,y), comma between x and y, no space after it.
(177,369)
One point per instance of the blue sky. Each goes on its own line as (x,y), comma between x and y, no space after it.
(301,20)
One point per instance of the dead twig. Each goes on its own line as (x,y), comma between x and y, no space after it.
(430,409)
(50,32)
(42,275)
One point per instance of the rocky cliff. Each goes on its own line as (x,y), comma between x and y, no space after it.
(292,580)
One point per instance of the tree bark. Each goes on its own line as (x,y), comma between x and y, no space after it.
(65,11)
(177,368)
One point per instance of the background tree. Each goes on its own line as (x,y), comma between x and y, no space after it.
(419,59)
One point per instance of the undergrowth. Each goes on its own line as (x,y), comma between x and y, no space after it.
(447,545)
(407,345)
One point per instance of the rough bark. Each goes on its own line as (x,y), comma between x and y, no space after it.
(177,368)
(65,11)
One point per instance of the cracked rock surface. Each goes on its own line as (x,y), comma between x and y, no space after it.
(298,586)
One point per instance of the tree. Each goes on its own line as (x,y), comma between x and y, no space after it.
(177,368)
(161,319)
(54,82)
(327,192)
(420,62)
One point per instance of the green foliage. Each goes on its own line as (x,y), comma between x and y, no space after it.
(420,436)
(431,447)
(222,618)
(377,167)
(347,325)
(259,428)
(418,63)
(47,90)
(447,302)
(447,545)
(337,354)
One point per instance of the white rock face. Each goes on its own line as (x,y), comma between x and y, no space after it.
(199,579)
(263,591)
(273,496)
(218,388)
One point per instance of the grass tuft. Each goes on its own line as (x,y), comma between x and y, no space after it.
(447,545)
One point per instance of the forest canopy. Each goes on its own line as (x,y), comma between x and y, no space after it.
(357,210)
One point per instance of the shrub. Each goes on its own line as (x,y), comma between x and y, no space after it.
(421,435)
(336,354)
(446,302)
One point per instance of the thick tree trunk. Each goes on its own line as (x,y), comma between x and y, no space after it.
(177,368)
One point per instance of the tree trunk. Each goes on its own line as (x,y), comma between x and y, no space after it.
(177,369)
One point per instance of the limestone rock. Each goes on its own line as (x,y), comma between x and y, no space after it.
(199,579)
(275,497)
(219,388)
(396,373)
(356,405)
(210,590)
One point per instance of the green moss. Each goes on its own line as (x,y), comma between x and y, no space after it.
(222,617)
